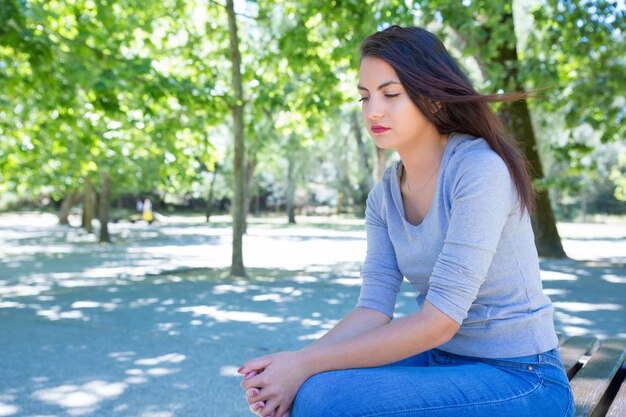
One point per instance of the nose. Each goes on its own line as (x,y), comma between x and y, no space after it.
(373,110)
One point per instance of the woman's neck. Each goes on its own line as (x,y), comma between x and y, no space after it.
(421,159)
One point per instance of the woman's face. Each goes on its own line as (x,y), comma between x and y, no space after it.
(390,116)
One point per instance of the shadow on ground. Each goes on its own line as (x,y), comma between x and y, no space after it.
(122,330)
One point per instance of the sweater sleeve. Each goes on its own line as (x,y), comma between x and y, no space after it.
(483,196)
(380,274)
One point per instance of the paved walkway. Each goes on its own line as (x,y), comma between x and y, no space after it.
(151,325)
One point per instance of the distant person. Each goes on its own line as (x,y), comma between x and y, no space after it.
(139,207)
(147,211)
(453,217)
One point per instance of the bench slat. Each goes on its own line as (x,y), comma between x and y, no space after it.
(574,348)
(618,407)
(591,382)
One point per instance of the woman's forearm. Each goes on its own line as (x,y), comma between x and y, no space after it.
(355,323)
(385,344)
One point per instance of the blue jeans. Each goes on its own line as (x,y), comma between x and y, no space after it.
(440,384)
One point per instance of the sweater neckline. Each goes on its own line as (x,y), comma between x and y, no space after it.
(397,193)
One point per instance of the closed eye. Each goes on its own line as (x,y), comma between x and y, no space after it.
(386,95)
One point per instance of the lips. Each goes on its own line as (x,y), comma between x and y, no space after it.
(379,129)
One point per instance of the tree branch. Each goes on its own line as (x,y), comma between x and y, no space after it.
(217,3)
(238,14)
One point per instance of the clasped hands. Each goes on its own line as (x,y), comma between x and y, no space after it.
(271,383)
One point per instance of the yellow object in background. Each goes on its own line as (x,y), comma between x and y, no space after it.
(147,211)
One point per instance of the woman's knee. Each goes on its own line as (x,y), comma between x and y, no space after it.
(321,395)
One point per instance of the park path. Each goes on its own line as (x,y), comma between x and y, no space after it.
(151,326)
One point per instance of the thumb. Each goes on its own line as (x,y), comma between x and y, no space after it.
(257,364)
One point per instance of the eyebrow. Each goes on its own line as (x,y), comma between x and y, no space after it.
(380,87)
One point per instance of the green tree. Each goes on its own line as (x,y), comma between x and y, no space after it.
(110,95)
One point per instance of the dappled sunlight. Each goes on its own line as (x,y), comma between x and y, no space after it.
(349,282)
(277,298)
(279,295)
(323,329)
(161,371)
(557,276)
(94,304)
(572,320)
(237,288)
(122,356)
(142,302)
(305,279)
(7,409)
(170,357)
(55,314)
(81,399)
(23,290)
(577,306)
(587,301)
(176,324)
(312,336)
(230,371)
(614,279)
(225,316)
(11,304)
(151,413)
(553,291)
(167,327)
(579,331)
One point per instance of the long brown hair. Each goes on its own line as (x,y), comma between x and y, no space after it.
(440,89)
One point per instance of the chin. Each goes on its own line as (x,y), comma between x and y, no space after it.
(384,143)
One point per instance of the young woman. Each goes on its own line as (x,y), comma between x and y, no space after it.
(452,216)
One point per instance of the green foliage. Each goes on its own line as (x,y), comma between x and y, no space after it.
(142,89)
(618,175)
(105,86)
(578,51)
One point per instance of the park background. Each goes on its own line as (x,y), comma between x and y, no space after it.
(240,122)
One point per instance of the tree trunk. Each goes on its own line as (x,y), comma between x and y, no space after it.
(517,119)
(365,163)
(367,178)
(547,239)
(340,197)
(346,193)
(291,188)
(583,206)
(103,212)
(89,206)
(257,201)
(238,210)
(66,207)
(209,201)
(381,163)
(250,167)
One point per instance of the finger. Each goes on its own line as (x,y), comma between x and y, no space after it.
(252,395)
(257,407)
(255,364)
(269,408)
(248,376)
(262,395)
(282,411)
(253,382)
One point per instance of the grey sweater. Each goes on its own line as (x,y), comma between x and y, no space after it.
(473,257)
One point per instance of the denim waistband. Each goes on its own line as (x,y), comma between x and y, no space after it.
(549,357)
(552,356)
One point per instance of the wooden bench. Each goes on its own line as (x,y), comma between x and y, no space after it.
(596,371)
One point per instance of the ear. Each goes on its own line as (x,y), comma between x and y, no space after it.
(438,105)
